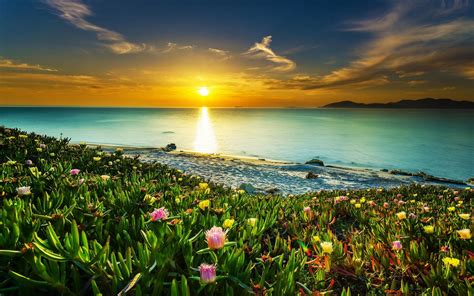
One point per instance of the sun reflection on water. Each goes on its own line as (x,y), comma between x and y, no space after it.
(205,140)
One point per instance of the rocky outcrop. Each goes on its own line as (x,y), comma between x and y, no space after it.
(315,161)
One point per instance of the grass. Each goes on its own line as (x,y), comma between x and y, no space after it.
(92,233)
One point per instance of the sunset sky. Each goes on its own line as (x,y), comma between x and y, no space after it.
(251,53)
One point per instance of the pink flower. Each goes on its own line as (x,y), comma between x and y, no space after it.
(395,200)
(372,203)
(75,171)
(307,211)
(401,203)
(397,246)
(399,195)
(412,216)
(81,181)
(385,205)
(215,238)
(207,273)
(29,162)
(455,192)
(456,198)
(159,214)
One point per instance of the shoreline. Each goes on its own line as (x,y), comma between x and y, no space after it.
(259,175)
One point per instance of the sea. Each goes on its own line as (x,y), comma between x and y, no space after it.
(437,142)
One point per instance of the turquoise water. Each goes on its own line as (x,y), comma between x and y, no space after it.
(438,142)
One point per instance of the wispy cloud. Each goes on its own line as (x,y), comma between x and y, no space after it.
(9,64)
(410,40)
(75,12)
(262,49)
(170,47)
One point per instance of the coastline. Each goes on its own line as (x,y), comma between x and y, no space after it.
(258,175)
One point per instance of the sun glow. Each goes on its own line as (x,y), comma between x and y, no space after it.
(203,91)
(205,140)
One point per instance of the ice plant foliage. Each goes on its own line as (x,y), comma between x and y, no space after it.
(89,236)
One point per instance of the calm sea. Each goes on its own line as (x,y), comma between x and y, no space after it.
(439,142)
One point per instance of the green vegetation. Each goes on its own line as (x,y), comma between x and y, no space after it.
(78,221)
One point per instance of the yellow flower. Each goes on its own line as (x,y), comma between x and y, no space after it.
(204,204)
(149,199)
(353,201)
(241,191)
(316,239)
(327,247)
(203,186)
(362,200)
(451,209)
(429,229)
(39,149)
(252,221)
(451,261)
(96,158)
(412,201)
(464,233)
(460,202)
(401,215)
(23,136)
(228,223)
(105,177)
(357,205)
(465,216)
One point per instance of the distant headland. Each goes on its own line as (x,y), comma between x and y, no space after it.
(427,103)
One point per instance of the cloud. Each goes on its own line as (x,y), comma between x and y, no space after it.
(9,64)
(262,49)
(410,40)
(416,82)
(75,12)
(218,51)
(170,47)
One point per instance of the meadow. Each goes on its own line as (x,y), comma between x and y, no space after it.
(76,220)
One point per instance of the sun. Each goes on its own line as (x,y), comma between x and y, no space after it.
(203,91)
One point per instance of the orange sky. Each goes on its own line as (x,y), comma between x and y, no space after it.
(85,55)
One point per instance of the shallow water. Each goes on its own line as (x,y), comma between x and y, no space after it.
(438,142)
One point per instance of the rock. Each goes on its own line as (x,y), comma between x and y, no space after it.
(311,175)
(315,161)
(470,181)
(170,147)
(248,188)
(399,172)
(384,170)
(272,190)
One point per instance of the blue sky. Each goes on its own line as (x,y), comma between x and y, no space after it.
(255,53)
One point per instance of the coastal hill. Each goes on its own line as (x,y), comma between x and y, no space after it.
(427,103)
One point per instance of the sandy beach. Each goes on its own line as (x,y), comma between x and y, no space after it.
(276,176)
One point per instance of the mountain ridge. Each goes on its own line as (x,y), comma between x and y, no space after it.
(426,103)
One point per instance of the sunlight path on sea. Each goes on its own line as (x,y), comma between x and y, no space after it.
(205,140)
